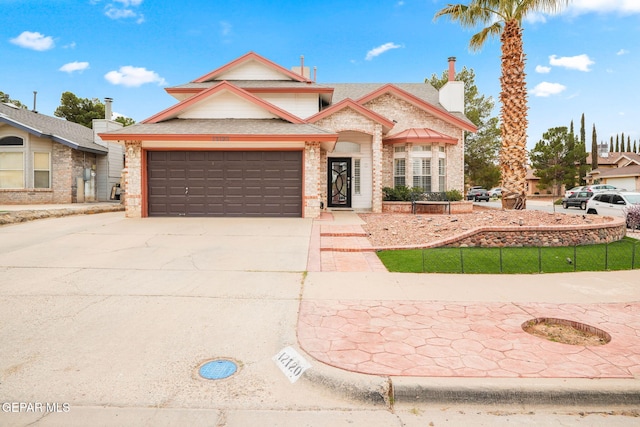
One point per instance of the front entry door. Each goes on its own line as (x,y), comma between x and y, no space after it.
(339,181)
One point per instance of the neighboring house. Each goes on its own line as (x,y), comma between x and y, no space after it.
(252,138)
(45,159)
(620,169)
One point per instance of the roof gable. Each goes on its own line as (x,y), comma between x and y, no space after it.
(627,159)
(419,103)
(195,106)
(349,103)
(251,66)
(67,133)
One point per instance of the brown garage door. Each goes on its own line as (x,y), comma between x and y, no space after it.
(225,183)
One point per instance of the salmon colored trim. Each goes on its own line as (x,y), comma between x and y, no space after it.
(172,112)
(194,90)
(248,57)
(219,137)
(412,99)
(349,103)
(419,135)
(223,149)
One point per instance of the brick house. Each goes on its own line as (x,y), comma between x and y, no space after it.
(45,159)
(253,138)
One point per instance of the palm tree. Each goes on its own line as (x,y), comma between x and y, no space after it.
(504,18)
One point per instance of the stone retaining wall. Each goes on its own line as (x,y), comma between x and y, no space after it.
(561,235)
(12,217)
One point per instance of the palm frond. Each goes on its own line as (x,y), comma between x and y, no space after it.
(478,39)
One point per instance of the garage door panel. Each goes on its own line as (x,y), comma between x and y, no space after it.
(231,183)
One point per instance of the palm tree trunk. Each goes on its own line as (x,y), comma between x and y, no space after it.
(513,97)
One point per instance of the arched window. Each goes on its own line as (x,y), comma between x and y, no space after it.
(11,141)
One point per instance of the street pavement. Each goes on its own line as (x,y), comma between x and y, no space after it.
(108,319)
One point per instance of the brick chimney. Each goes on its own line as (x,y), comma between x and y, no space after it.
(452,68)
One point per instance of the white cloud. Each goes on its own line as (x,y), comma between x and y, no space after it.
(225,28)
(133,76)
(534,18)
(542,69)
(71,45)
(74,66)
(380,50)
(622,52)
(603,6)
(578,62)
(124,9)
(35,41)
(546,89)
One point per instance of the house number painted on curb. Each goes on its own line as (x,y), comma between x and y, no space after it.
(291,363)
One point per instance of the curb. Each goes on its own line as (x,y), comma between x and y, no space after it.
(371,389)
(528,391)
(388,391)
(14,217)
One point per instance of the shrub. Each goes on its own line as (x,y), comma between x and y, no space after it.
(454,195)
(401,193)
(633,216)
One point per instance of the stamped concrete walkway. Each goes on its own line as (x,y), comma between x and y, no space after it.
(426,336)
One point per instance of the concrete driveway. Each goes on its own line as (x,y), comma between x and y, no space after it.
(99,310)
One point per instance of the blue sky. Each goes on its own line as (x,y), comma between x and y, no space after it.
(583,60)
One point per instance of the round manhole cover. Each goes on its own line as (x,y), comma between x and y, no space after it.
(218,369)
(566,331)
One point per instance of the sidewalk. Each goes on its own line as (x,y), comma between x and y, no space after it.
(414,329)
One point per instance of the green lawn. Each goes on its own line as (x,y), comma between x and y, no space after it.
(621,255)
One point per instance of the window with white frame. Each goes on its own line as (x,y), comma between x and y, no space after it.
(12,170)
(41,170)
(11,162)
(356,176)
(422,173)
(399,172)
(442,174)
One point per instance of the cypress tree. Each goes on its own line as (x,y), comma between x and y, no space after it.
(628,144)
(622,143)
(611,145)
(635,146)
(617,150)
(583,135)
(594,148)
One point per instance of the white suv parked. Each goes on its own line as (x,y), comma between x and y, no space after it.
(612,203)
(597,188)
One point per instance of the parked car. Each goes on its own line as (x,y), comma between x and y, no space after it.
(477,194)
(571,191)
(495,192)
(613,203)
(577,199)
(597,188)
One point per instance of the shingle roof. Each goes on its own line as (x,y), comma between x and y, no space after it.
(424,91)
(222,127)
(71,134)
(632,170)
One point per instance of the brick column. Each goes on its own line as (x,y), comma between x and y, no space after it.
(376,165)
(133,179)
(311,202)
